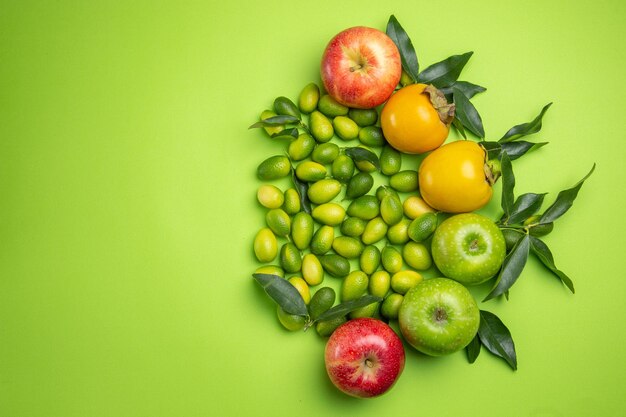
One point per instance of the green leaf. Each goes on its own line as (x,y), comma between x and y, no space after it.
(511,236)
(359,154)
(525,206)
(542,251)
(446,72)
(512,267)
(283,293)
(525,129)
(344,308)
(493,149)
(497,338)
(405,46)
(302,188)
(468,89)
(459,127)
(563,201)
(467,113)
(276,121)
(293,132)
(508,184)
(513,149)
(519,148)
(473,349)
(287,138)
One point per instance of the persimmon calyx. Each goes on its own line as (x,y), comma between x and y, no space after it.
(492,170)
(444,109)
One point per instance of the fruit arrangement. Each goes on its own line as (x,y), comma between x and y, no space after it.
(354,214)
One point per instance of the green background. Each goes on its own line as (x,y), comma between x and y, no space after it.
(127,177)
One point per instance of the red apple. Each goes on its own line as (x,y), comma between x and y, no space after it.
(361,67)
(364,357)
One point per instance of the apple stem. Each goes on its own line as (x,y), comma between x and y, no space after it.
(369,363)
(440,315)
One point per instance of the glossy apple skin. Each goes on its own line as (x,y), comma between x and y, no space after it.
(361,67)
(438,316)
(468,248)
(364,357)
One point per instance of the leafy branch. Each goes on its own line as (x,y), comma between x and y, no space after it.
(496,337)
(524,226)
(443,75)
(510,143)
(289,299)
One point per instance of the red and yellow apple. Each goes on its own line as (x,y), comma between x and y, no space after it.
(361,67)
(364,357)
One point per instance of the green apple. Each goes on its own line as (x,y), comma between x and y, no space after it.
(438,316)
(468,248)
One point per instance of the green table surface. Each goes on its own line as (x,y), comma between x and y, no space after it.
(128,209)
